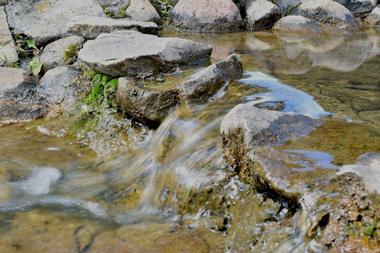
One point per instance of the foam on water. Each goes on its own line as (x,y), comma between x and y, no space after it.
(39,182)
(294,99)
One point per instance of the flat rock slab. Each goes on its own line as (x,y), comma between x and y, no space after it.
(61,52)
(207,15)
(327,12)
(8,52)
(46,20)
(12,78)
(91,27)
(205,83)
(146,104)
(128,53)
(248,136)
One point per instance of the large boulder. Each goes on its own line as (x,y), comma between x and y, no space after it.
(373,19)
(142,10)
(205,83)
(91,27)
(299,24)
(327,12)
(17,97)
(248,134)
(131,53)
(61,52)
(45,20)
(8,52)
(146,104)
(262,14)
(358,7)
(207,15)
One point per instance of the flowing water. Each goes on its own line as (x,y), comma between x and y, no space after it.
(160,195)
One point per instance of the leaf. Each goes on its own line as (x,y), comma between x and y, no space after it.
(36,66)
(30,43)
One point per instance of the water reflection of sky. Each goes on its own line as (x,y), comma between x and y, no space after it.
(317,158)
(294,100)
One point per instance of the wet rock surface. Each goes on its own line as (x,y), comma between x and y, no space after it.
(146,104)
(137,54)
(61,52)
(8,53)
(91,27)
(205,83)
(46,20)
(358,7)
(248,131)
(207,16)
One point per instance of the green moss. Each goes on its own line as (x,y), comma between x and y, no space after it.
(70,53)
(369,231)
(103,93)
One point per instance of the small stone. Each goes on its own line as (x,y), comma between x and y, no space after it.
(142,10)
(262,14)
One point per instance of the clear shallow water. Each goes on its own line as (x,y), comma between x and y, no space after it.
(96,202)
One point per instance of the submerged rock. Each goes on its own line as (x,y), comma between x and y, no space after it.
(327,12)
(207,82)
(142,10)
(299,24)
(8,52)
(91,27)
(135,54)
(262,14)
(45,20)
(61,52)
(373,19)
(248,134)
(207,15)
(146,104)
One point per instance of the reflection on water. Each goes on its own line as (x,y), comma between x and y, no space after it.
(294,100)
(50,181)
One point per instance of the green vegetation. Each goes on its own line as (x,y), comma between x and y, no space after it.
(36,66)
(163,6)
(26,47)
(369,231)
(103,93)
(70,53)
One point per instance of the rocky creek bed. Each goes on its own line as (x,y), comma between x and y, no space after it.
(189,126)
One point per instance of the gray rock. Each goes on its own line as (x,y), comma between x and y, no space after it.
(205,83)
(286,6)
(62,87)
(13,78)
(115,8)
(131,53)
(17,97)
(61,52)
(207,15)
(45,20)
(327,12)
(373,19)
(91,27)
(262,14)
(142,10)
(3,2)
(8,52)
(299,24)
(248,134)
(146,104)
(358,7)
(368,167)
